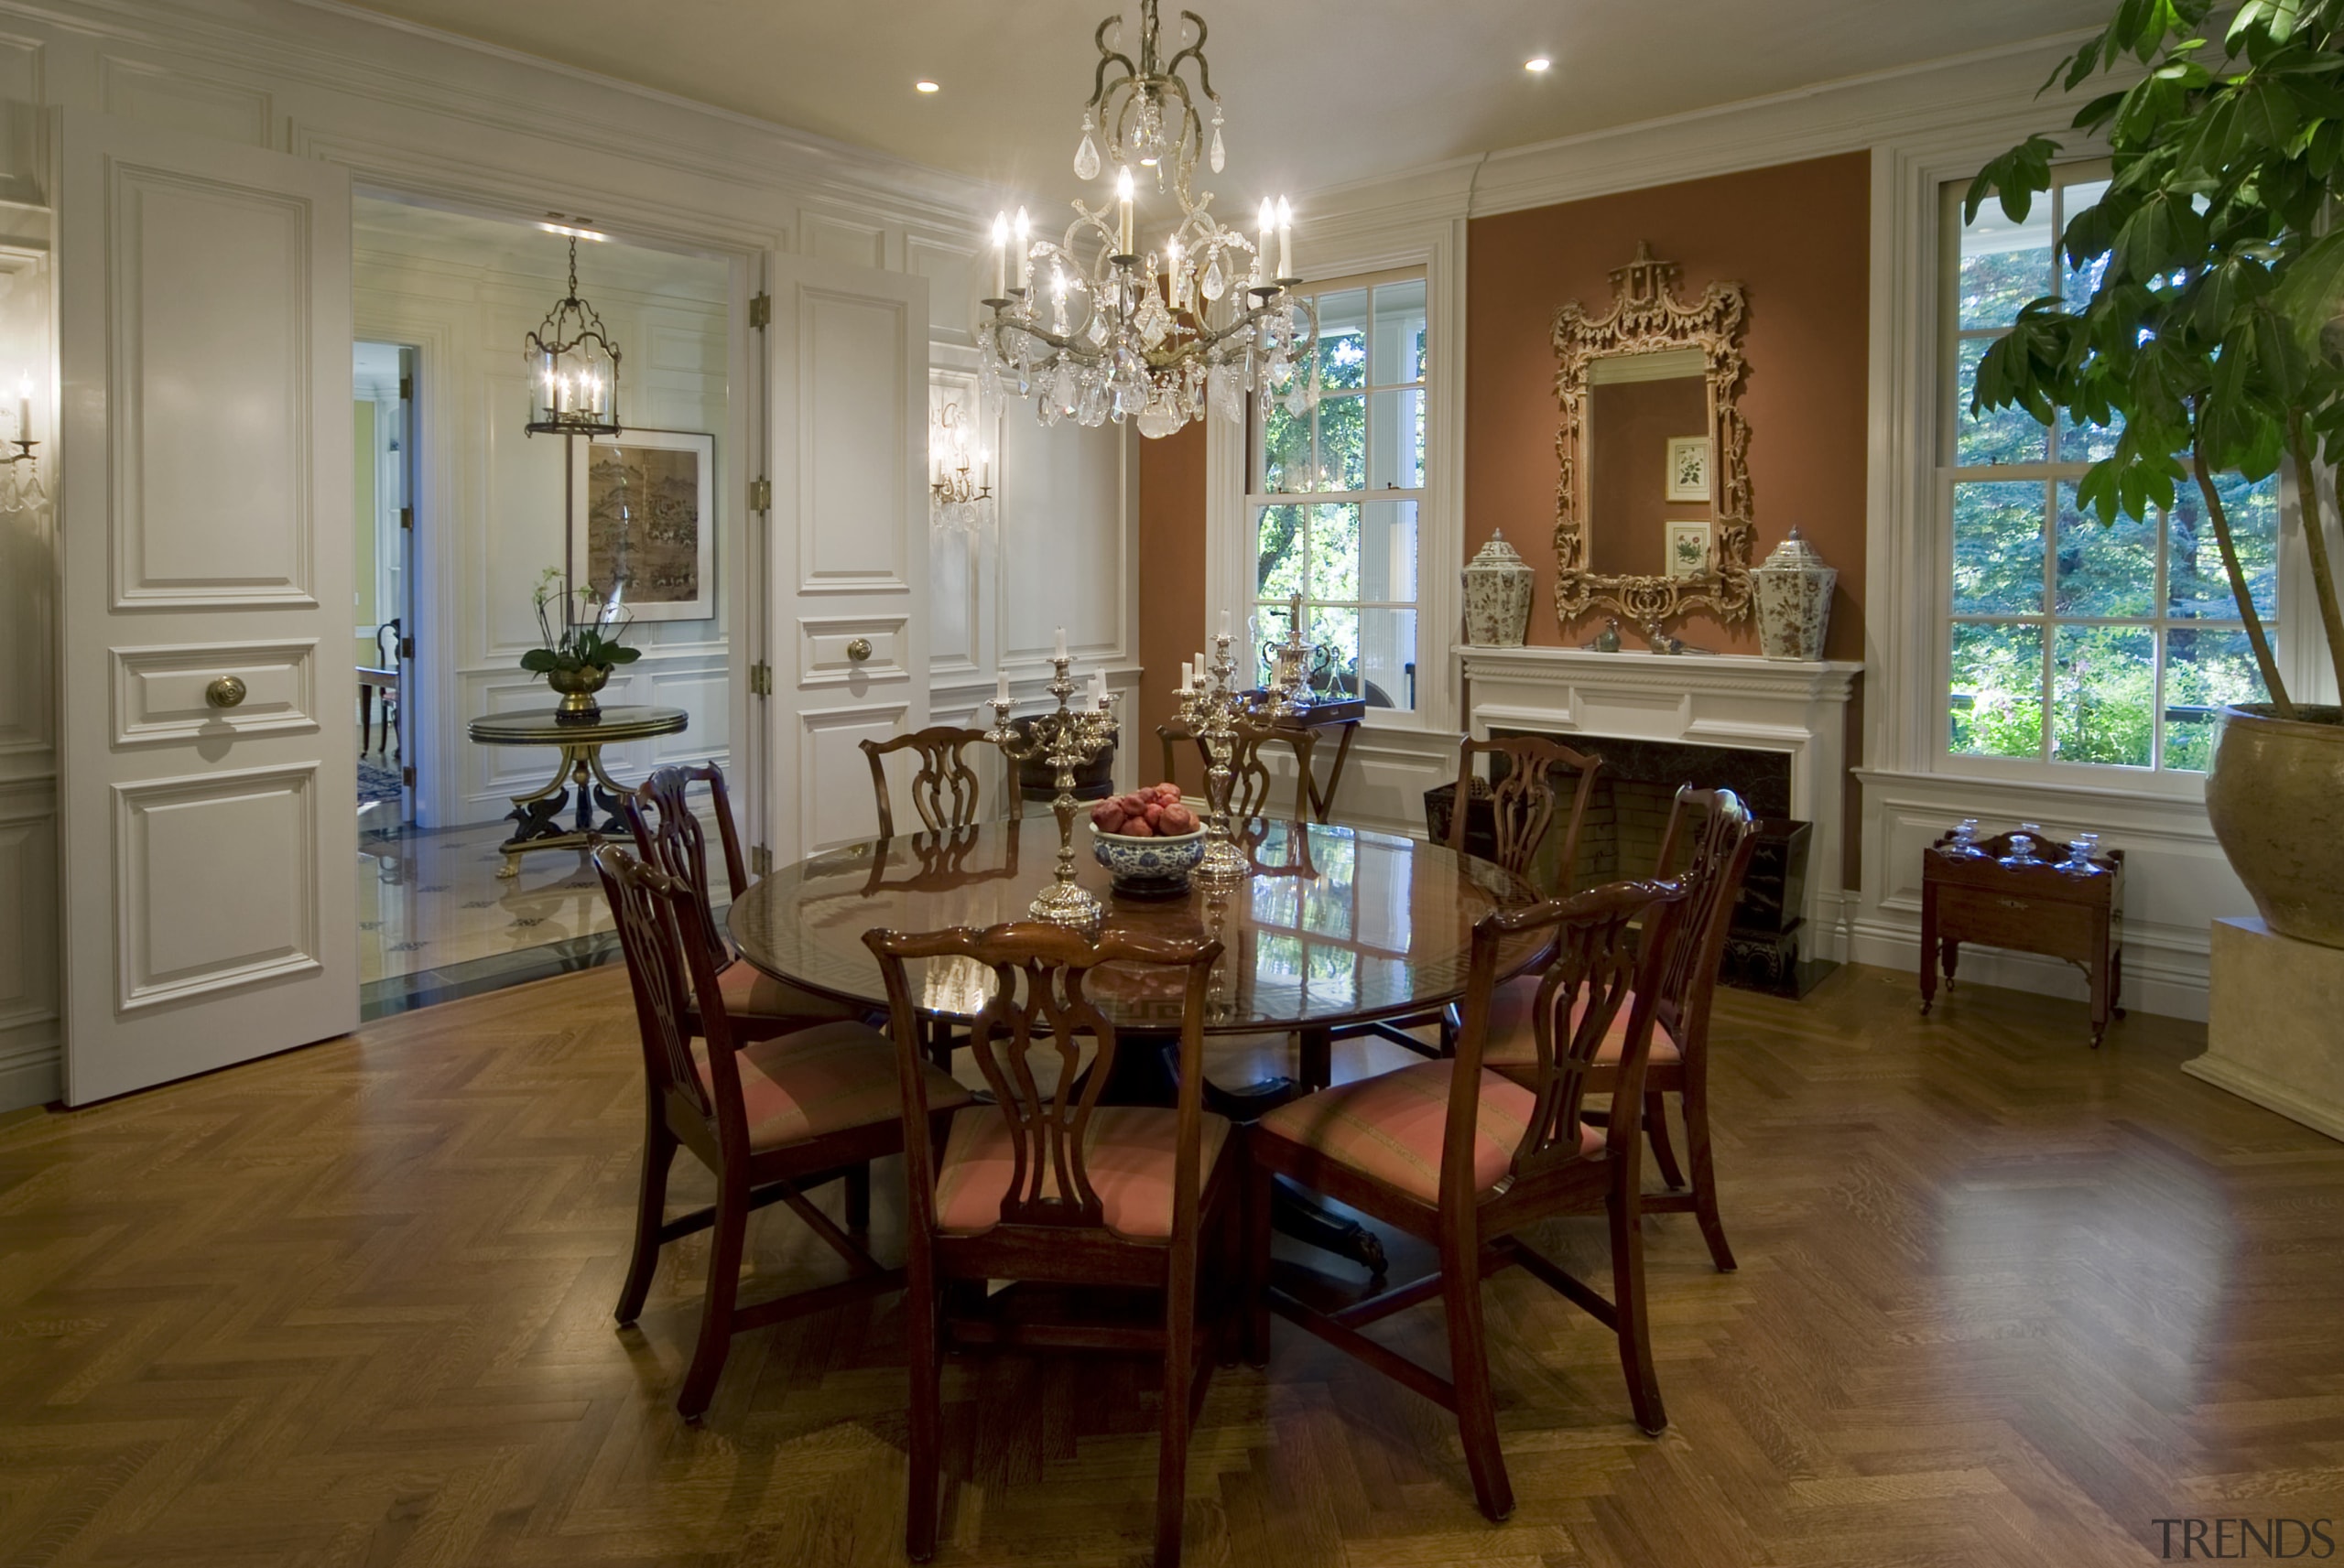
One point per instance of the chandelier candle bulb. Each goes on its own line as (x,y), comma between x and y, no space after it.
(1000,255)
(1123,202)
(1286,238)
(1024,253)
(1269,220)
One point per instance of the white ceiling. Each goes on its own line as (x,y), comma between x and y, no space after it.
(1317,92)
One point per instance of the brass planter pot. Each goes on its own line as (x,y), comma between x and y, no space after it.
(577,687)
(2276,796)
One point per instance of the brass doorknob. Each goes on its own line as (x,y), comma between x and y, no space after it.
(859,650)
(226,691)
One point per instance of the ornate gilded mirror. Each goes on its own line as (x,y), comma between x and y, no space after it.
(1652,514)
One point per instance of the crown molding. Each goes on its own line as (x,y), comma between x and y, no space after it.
(346,50)
(1817,121)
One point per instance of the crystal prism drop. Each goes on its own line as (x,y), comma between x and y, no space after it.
(1215,282)
(1086,158)
(1220,156)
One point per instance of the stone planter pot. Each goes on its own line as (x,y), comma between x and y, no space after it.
(2276,796)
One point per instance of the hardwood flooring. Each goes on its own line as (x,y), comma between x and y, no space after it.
(2003,1300)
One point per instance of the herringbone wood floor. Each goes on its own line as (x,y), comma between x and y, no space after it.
(2003,1300)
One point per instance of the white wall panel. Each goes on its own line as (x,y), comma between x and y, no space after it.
(1062,544)
(178,101)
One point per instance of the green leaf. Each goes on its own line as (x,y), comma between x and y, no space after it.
(538,660)
(2272,19)
(2015,176)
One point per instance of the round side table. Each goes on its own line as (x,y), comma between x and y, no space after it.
(538,812)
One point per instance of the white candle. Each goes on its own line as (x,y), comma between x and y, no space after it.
(1202,665)
(25,409)
(1124,198)
(1099,688)
(1061,650)
(1001,256)
(1224,622)
(1000,685)
(1286,238)
(1269,217)
(1188,677)
(1024,253)
(1172,271)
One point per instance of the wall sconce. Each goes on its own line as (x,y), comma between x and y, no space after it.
(21,486)
(961,501)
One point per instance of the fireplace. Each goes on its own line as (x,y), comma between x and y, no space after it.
(1774,732)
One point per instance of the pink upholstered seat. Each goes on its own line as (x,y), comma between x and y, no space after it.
(821,1080)
(750,994)
(1390,1127)
(1128,1150)
(1512,1045)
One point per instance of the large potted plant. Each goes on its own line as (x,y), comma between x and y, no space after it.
(2214,337)
(578,659)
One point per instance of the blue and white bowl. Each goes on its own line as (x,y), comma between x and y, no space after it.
(1148,868)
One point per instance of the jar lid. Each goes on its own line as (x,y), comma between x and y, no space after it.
(1496,553)
(1793,554)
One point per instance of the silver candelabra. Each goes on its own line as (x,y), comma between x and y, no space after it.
(1066,739)
(1212,709)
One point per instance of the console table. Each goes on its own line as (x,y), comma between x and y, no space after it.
(2036,906)
(538,815)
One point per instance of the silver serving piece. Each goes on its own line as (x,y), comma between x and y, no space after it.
(1289,686)
(1212,709)
(1065,740)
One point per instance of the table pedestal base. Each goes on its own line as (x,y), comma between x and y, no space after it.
(539,812)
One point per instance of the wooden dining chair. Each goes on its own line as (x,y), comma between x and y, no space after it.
(669,835)
(772,1119)
(1523,803)
(1250,777)
(1523,800)
(1049,1187)
(1467,1159)
(1724,840)
(944,788)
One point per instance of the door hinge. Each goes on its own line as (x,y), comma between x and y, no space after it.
(406,777)
(407,389)
(407,647)
(760,860)
(761,310)
(761,496)
(407,517)
(761,679)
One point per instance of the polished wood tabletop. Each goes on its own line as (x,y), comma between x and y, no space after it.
(1336,926)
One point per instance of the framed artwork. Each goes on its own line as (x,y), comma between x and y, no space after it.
(641,504)
(1689,468)
(1689,550)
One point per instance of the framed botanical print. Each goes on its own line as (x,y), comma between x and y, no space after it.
(1689,468)
(1690,547)
(641,506)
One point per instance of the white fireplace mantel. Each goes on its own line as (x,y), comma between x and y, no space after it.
(1694,699)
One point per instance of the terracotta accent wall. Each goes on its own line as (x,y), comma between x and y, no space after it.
(1797,236)
(1171,590)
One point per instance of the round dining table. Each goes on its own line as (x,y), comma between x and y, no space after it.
(1338,926)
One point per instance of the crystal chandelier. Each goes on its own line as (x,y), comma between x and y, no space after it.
(1094,329)
(959,502)
(574,368)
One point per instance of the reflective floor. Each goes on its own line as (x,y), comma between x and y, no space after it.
(430,901)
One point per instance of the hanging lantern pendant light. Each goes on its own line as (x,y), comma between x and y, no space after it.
(573,369)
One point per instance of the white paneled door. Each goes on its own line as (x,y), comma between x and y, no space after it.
(847,367)
(209,727)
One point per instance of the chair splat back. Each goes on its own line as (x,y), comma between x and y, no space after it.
(649,908)
(1599,965)
(669,838)
(1523,802)
(1249,775)
(1728,838)
(1038,1005)
(944,787)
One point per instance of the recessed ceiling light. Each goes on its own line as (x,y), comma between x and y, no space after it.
(927,86)
(1536,63)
